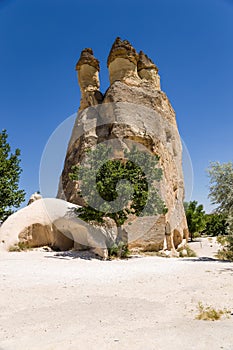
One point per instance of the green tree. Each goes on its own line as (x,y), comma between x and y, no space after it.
(117,188)
(195,216)
(221,189)
(216,225)
(10,194)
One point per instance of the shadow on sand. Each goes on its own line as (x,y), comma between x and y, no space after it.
(205,259)
(69,255)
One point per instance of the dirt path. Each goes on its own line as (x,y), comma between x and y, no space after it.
(60,301)
(205,247)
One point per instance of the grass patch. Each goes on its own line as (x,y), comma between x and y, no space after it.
(208,313)
(222,240)
(119,251)
(190,253)
(21,246)
(14,248)
(226,253)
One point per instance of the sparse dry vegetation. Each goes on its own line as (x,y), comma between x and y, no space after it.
(226,253)
(14,248)
(208,313)
(189,251)
(222,240)
(21,246)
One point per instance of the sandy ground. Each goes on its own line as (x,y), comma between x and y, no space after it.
(63,301)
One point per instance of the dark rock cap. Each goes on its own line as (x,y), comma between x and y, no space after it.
(87,57)
(122,49)
(144,62)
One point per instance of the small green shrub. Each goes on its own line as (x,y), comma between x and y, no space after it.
(226,253)
(208,313)
(222,240)
(24,246)
(196,235)
(119,250)
(190,252)
(14,248)
(21,246)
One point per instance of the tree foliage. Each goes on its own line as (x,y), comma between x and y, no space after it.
(221,188)
(10,195)
(195,216)
(116,188)
(216,225)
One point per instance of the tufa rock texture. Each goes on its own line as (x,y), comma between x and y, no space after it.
(52,222)
(88,78)
(122,63)
(148,71)
(133,110)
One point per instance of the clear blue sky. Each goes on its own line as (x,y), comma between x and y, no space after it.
(191,41)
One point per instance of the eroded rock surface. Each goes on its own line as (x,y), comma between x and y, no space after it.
(52,222)
(88,68)
(133,110)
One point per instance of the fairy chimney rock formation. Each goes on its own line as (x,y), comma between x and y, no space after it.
(122,63)
(148,70)
(133,109)
(88,78)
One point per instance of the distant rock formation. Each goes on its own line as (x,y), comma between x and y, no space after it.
(34,197)
(133,109)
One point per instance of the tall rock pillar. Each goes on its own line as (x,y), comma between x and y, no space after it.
(134,110)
